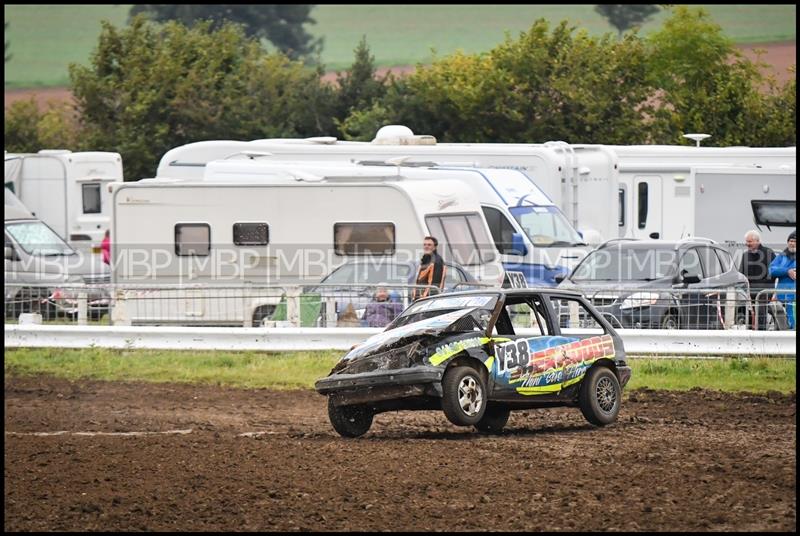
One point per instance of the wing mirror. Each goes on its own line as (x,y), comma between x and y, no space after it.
(689,279)
(518,246)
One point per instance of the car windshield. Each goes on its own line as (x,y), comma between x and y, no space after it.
(481,304)
(36,238)
(625,264)
(546,226)
(369,274)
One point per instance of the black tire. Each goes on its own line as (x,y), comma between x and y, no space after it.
(350,421)
(493,420)
(464,396)
(600,396)
(670,321)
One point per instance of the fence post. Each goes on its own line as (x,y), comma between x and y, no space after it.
(119,309)
(293,305)
(730,308)
(83,307)
(330,311)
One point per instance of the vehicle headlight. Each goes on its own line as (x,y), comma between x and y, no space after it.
(639,299)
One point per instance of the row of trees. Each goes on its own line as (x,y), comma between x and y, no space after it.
(151,87)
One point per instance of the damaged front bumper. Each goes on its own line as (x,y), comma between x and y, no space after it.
(381,385)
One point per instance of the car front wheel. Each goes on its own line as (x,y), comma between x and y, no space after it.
(600,396)
(464,396)
(350,421)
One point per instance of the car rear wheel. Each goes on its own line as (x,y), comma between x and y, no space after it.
(670,321)
(494,419)
(350,421)
(600,396)
(464,396)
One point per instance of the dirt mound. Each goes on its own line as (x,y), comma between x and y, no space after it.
(233,459)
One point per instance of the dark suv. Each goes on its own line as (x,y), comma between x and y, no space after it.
(691,283)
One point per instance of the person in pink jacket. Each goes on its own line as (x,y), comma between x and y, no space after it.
(105,247)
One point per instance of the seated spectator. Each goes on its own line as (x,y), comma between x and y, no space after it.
(381,310)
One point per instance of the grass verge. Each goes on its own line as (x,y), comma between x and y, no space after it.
(290,370)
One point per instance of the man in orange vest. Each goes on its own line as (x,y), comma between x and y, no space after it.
(431,269)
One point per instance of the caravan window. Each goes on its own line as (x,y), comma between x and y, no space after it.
(192,239)
(250,234)
(91,198)
(462,238)
(364,238)
(642,205)
(621,221)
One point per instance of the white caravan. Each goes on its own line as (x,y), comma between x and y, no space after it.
(68,191)
(530,233)
(716,202)
(580,179)
(293,228)
(660,195)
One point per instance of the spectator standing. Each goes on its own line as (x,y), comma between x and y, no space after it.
(755,264)
(784,267)
(105,247)
(431,269)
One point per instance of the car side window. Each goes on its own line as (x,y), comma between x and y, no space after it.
(690,262)
(725,260)
(573,314)
(711,264)
(530,314)
(452,277)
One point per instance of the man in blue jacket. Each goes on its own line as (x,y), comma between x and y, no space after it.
(784,267)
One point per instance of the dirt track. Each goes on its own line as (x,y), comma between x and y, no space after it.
(688,461)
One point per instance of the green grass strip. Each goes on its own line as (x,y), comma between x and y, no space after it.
(292,370)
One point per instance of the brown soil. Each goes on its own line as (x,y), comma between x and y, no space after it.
(674,461)
(780,56)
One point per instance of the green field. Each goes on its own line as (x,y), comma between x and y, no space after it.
(44,39)
(301,369)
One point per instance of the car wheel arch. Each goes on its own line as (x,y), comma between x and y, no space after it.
(466,359)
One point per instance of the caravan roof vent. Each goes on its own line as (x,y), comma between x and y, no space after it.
(54,151)
(401,135)
(323,140)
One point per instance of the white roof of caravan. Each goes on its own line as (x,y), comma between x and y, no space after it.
(513,187)
(630,152)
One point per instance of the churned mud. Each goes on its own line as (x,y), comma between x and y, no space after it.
(211,458)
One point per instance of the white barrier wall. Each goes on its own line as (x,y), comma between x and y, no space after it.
(637,341)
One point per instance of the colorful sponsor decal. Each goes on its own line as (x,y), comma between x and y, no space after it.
(547,364)
(446,351)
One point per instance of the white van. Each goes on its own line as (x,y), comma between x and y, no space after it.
(66,190)
(282,224)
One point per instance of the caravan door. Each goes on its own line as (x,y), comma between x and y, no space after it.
(43,190)
(647,218)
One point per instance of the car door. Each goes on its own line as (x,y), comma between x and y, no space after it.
(715,281)
(693,306)
(527,351)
